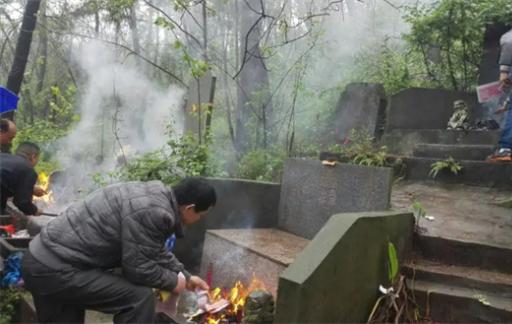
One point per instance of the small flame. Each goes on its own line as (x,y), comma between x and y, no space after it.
(43,181)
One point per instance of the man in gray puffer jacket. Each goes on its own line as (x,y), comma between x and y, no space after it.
(124,225)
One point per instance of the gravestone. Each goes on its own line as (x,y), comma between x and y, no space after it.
(199,104)
(489,68)
(312,192)
(361,106)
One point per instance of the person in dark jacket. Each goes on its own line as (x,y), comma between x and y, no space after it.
(67,267)
(7,134)
(18,177)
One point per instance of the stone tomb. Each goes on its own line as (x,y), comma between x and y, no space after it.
(310,194)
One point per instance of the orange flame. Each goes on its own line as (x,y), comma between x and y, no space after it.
(236,296)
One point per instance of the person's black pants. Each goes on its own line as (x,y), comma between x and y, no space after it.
(61,296)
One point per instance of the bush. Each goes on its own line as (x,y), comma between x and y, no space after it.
(262,164)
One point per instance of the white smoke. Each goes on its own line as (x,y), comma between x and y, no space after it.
(122,115)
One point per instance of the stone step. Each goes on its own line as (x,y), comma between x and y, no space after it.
(475,173)
(464,253)
(448,303)
(239,254)
(403,141)
(458,151)
(497,283)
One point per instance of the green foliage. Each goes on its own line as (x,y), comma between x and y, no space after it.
(448,164)
(361,150)
(62,106)
(418,210)
(392,262)
(183,156)
(393,66)
(9,304)
(442,50)
(448,36)
(262,164)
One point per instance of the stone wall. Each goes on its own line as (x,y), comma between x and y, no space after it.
(312,192)
(336,277)
(240,204)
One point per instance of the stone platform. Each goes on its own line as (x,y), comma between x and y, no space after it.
(238,254)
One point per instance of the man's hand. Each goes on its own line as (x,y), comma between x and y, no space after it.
(39,192)
(181,285)
(505,81)
(196,282)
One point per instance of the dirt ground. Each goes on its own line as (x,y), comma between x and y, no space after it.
(460,212)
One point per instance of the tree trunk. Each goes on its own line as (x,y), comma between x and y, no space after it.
(43,39)
(22,51)
(253,90)
(205,33)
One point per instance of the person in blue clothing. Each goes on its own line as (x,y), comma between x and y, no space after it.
(504,150)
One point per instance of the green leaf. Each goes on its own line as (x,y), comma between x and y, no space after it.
(393,262)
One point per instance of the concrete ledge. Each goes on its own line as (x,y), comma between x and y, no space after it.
(403,141)
(457,151)
(474,173)
(336,277)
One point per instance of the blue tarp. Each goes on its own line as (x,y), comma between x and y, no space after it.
(8,100)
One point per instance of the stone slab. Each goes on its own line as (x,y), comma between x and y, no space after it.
(362,106)
(336,278)
(240,204)
(418,108)
(239,254)
(312,192)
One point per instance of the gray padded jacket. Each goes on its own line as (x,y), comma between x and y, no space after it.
(122,225)
(506,52)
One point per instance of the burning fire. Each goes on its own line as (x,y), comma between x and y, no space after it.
(43,181)
(234,298)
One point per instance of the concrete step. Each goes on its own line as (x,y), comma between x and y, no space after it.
(497,283)
(403,141)
(448,303)
(475,173)
(464,253)
(458,151)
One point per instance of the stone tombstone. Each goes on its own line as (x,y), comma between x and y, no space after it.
(311,193)
(489,68)
(199,104)
(418,108)
(361,106)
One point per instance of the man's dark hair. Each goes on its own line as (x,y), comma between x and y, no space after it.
(4,125)
(28,148)
(195,190)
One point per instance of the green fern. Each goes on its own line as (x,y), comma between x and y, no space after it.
(448,164)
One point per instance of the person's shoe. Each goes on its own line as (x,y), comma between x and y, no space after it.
(501,154)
